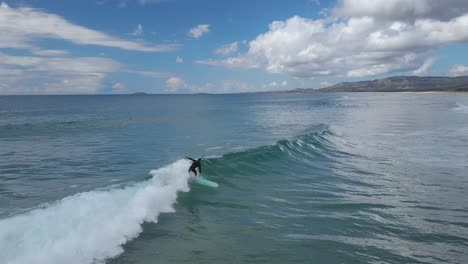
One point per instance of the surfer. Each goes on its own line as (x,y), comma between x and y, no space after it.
(195,164)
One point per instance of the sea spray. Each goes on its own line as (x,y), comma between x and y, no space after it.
(460,108)
(92,226)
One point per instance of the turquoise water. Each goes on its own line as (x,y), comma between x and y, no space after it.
(304,178)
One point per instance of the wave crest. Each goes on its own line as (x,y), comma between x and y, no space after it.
(318,142)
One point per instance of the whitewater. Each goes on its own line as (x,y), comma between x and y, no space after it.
(461,108)
(92,226)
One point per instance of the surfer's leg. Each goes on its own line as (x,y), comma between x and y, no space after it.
(194,171)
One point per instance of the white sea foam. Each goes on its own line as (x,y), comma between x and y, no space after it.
(212,156)
(336,130)
(214,148)
(461,108)
(92,226)
(238,148)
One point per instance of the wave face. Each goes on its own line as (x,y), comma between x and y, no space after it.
(318,142)
(92,226)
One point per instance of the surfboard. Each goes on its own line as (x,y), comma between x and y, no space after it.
(202,181)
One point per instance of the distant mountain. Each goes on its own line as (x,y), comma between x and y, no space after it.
(399,84)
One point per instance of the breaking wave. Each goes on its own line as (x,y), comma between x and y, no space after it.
(92,226)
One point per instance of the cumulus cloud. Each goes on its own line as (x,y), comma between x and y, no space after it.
(174,84)
(368,38)
(22,27)
(179,59)
(199,31)
(227,49)
(459,70)
(401,9)
(138,30)
(45,75)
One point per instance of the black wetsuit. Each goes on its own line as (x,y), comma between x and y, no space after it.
(195,164)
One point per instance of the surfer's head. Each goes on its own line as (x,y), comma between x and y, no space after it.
(199,159)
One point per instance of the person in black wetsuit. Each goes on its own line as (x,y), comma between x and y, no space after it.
(196,164)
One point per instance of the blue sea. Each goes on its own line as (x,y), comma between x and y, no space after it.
(303,178)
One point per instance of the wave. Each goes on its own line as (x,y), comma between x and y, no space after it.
(92,226)
(317,141)
(320,142)
(461,108)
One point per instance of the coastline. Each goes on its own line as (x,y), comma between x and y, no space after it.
(376,91)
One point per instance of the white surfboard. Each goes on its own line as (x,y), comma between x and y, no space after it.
(202,181)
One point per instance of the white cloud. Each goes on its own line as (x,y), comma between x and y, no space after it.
(152,74)
(401,9)
(22,27)
(199,31)
(40,52)
(425,67)
(174,84)
(138,30)
(118,87)
(227,49)
(325,84)
(459,70)
(59,75)
(274,85)
(179,59)
(357,46)
(89,65)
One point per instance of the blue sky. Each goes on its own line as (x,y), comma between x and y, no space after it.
(186,46)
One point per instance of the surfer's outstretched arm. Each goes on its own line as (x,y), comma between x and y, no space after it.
(190,158)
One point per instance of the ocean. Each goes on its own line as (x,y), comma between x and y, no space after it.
(303,178)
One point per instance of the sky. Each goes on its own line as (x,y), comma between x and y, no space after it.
(217,46)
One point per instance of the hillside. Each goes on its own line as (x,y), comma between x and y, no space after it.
(399,84)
